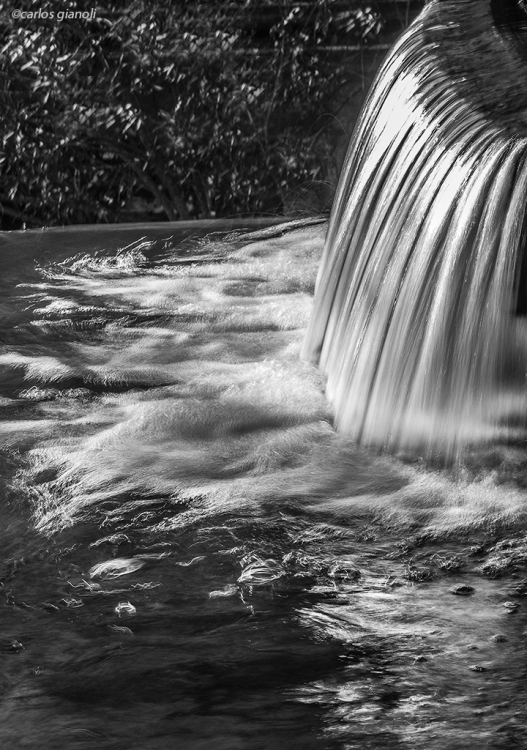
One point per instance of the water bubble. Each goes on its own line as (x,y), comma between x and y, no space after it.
(125,608)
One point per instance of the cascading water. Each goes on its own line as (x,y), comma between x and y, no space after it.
(190,555)
(413,318)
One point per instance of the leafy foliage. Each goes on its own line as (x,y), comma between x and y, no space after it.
(203,109)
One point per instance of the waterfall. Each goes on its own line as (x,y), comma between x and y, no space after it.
(414,320)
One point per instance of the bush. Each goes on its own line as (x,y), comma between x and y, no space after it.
(193,110)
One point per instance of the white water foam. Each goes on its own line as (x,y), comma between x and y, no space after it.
(193,391)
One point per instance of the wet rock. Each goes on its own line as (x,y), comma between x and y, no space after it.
(499,638)
(420,659)
(462,590)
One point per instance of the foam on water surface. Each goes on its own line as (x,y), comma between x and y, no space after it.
(186,535)
(186,387)
(191,554)
(191,382)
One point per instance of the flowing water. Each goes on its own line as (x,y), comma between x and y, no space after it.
(413,320)
(192,557)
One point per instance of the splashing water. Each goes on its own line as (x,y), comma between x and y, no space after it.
(413,320)
(190,555)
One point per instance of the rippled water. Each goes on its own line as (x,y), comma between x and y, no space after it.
(190,555)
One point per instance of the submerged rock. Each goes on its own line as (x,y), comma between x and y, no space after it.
(462,590)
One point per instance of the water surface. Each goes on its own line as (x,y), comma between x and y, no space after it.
(192,557)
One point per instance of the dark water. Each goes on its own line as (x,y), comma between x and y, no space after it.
(191,557)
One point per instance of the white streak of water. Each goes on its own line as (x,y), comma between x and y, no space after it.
(413,308)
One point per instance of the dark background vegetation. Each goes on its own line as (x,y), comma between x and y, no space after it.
(164,110)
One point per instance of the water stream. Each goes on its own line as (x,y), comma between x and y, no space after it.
(197,548)
(421,275)
(192,557)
